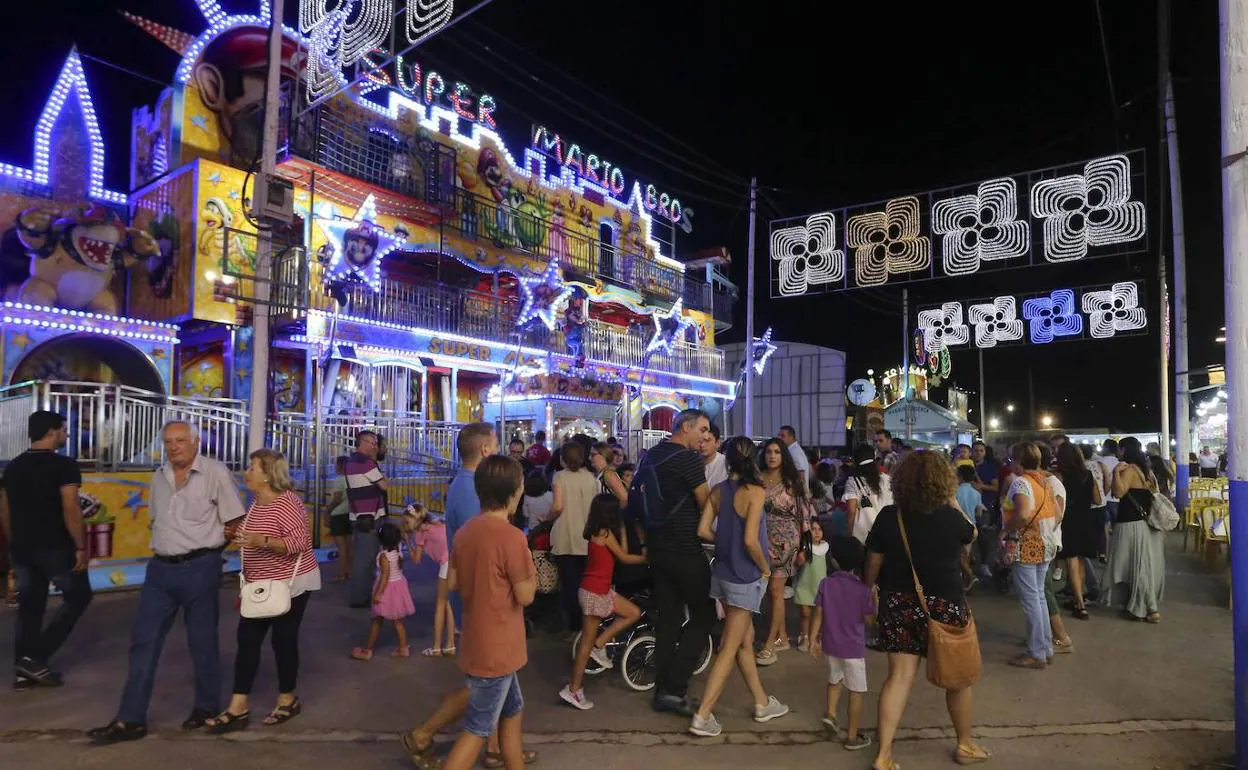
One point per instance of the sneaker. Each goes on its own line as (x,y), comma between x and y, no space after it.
(855,744)
(39,672)
(831,728)
(705,728)
(770,710)
(600,656)
(765,657)
(24,683)
(575,699)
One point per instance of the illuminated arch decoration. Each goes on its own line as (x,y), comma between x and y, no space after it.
(1114,310)
(943,327)
(888,242)
(323,72)
(807,255)
(996,322)
(363,225)
(1053,316)
(543,295)
(72,82)
(1089,209)
(983,226)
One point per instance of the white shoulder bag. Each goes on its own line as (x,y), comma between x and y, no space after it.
(265,598)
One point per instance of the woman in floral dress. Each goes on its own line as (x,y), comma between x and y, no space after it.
(786,508)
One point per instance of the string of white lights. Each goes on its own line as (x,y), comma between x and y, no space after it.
(1089,209)
(982,226)
(807,255)
(425,17)
(996,322)
(1113,310)
(323,73)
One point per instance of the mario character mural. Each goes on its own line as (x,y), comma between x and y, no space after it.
(74,257)
(574,325)
(230,79)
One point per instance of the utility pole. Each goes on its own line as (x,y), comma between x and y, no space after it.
(259,408)
(749,313)
(1168,149)
(983,415)
(1233,47)
(1182,392)
(905,360)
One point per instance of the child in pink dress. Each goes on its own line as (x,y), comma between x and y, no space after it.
(392,598)
(427,536)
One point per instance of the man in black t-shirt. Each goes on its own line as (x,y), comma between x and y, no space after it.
(682,575)
(43,523)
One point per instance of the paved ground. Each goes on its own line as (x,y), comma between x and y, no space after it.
(1132,696)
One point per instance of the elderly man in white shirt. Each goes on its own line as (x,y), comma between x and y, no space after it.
(195,505)
(788,437)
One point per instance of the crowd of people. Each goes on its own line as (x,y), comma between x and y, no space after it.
(869,546)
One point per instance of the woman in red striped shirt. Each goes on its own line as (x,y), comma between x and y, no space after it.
(276,544)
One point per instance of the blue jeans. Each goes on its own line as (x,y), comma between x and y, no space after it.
(35,570)
(491,698)
(193,587)
(1030,581)
(363,567)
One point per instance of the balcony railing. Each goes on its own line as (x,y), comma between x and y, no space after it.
(450,310)
(346,139)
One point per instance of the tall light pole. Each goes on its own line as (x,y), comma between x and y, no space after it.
(1233,45)
(749,313)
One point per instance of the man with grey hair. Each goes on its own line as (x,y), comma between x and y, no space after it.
(194,508)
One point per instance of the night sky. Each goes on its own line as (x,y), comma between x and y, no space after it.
(828,107)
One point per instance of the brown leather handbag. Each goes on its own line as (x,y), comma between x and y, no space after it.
(953,659)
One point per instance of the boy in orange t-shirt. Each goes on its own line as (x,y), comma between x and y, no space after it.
(493,570)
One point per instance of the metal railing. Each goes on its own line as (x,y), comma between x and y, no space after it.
(112,427)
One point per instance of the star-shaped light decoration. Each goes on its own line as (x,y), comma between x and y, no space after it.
(761,350)
(359,245)
(668,329)
(543,294)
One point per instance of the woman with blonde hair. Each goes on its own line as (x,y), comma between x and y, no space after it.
(923,487)
(275,543)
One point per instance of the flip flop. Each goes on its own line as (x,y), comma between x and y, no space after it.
(971,754)
(889,764)
(284,713)
(431,652)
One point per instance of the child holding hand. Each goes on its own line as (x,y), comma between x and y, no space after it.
(842,606)
(427,536)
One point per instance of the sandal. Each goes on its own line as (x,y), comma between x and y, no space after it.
(971,754)
(225,722)
(495,759)
(765,657)
(284,713)
(782,644)
(431,652)
(889,764)
(1026,661)
(1081,613)
(448,652)
(420,755)
(1153,617)
(359,653)
(402,652)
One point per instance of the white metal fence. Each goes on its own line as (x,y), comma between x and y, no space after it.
(116,426)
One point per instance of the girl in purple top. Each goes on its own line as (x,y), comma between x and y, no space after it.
(739,581)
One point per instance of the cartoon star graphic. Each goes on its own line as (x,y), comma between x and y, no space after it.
(159,354)
(215,178)
(21,340)
(669,328)
(542,295)
(200,122)
(359,244)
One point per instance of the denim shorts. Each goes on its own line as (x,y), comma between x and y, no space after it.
(746,596)
(491,698)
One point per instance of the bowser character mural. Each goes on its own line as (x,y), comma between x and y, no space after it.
(73,258)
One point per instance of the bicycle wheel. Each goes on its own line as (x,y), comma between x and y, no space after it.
(706,656)
(637,663)
(591,667)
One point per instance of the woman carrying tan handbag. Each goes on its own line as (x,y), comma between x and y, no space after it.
(913,557)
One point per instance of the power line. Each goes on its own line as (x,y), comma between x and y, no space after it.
(718,186)
(1109,73)
(120,68)
(725,172)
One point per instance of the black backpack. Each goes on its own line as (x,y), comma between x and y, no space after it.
(645,498)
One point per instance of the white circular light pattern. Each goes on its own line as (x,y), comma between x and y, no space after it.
(996,322)
(1089,209)
(888,242)
(943,327)
(978,227)
(806,255)
(1114,310)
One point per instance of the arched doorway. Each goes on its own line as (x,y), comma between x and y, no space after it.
(658,418)
(83,358)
